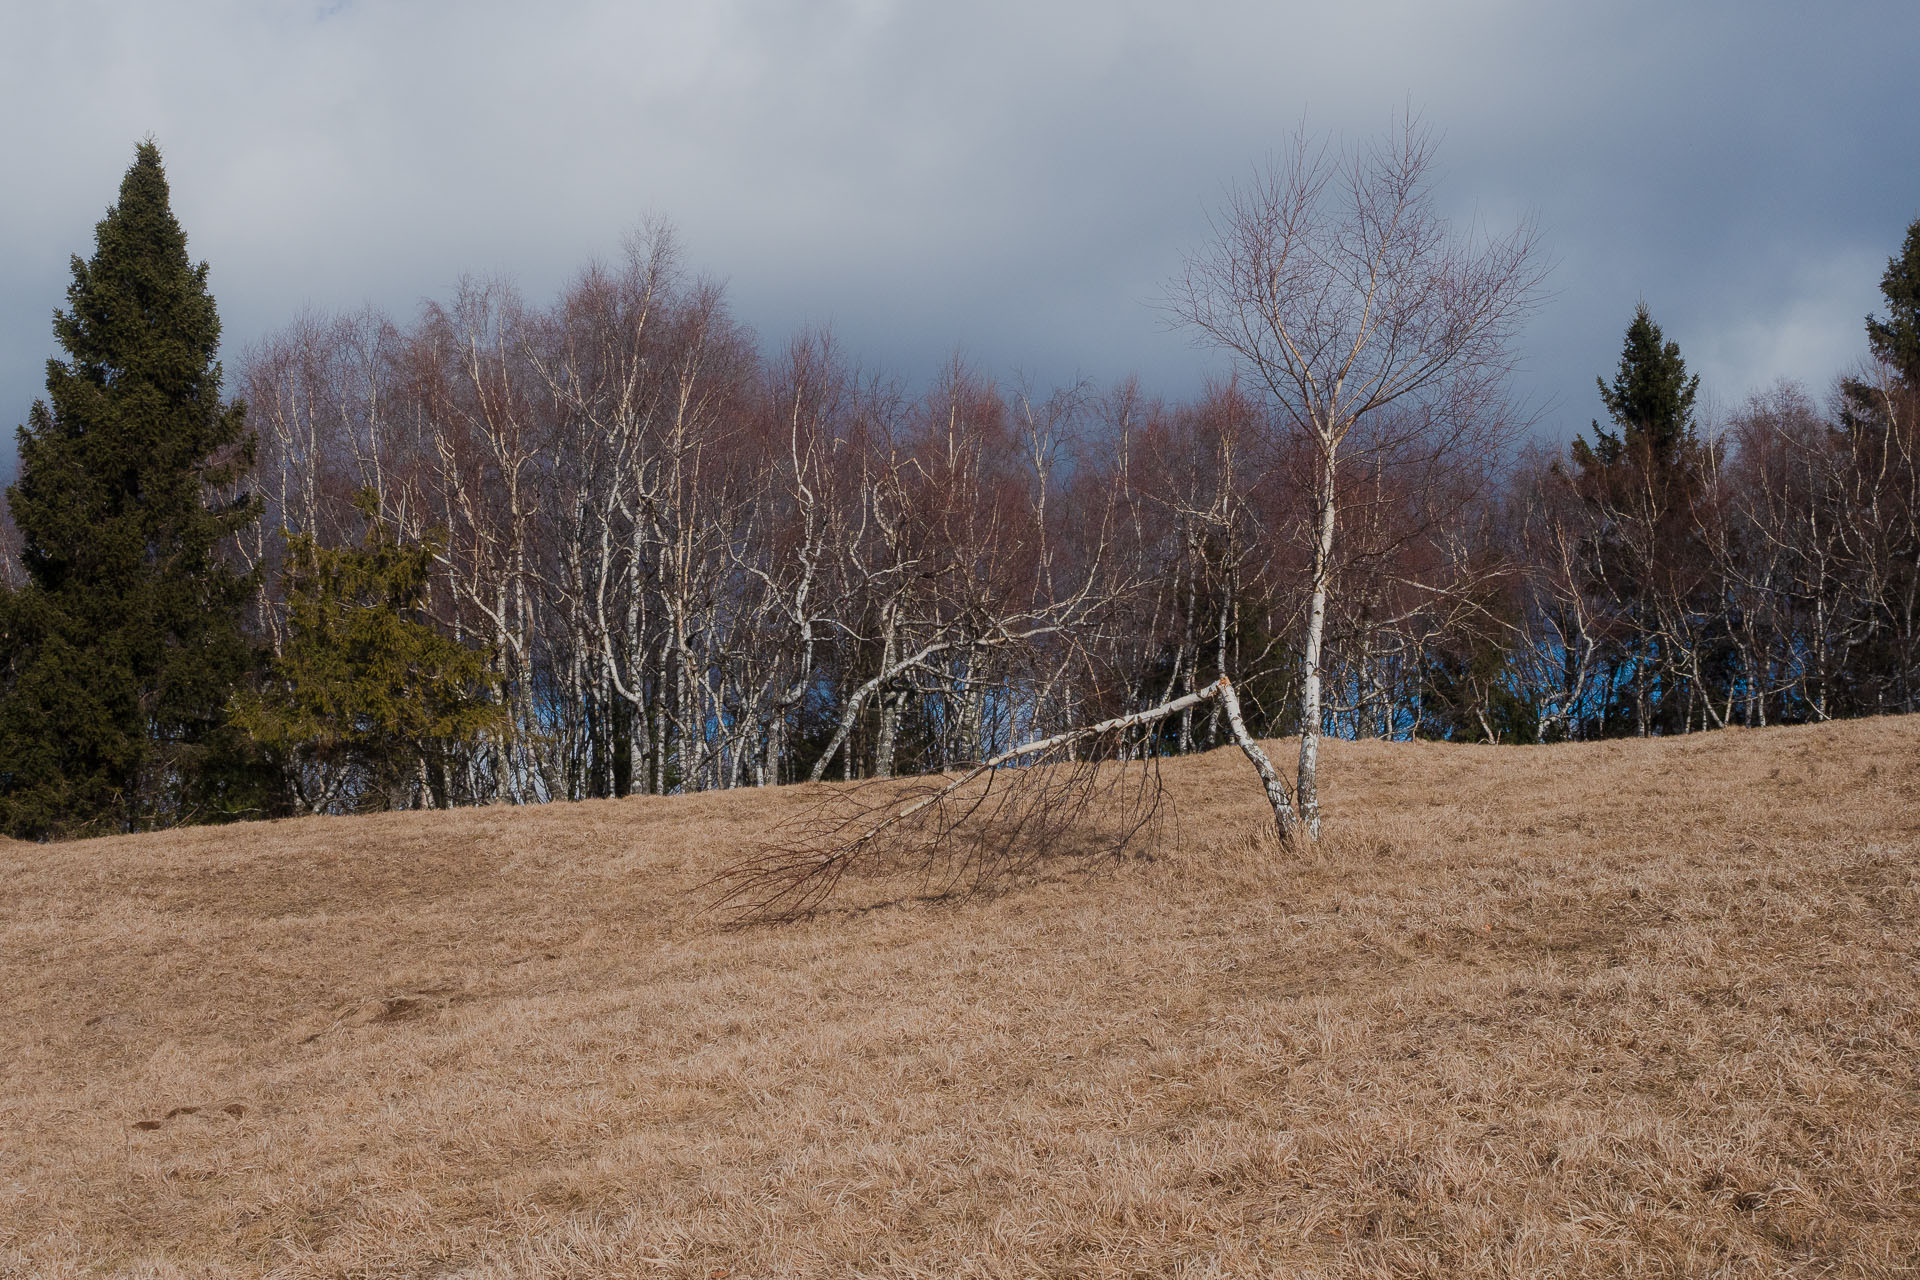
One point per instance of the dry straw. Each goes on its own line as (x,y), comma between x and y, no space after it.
(1638,1008)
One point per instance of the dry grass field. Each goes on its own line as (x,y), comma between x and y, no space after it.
(1637,1008)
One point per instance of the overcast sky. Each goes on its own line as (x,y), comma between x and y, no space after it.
(1017,181)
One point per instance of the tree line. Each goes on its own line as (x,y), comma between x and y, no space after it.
(611,545)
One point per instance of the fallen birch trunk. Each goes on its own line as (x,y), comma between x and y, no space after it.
(788,881)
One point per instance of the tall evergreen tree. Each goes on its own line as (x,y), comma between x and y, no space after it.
(1880,432)
(1642,480)
(1896,339)
(118,657)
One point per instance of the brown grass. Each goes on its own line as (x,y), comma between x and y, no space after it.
(1621,1009)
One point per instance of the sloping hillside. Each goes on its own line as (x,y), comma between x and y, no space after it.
(1629,1008)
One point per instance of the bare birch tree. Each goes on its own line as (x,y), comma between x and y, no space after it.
(1339,289)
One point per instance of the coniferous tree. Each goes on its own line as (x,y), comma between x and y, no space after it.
(1896,340)
(1651,401)
(367,702)
(1641,480)
(119,655)
(1880,435)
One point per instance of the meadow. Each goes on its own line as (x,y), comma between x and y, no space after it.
(1645,1008)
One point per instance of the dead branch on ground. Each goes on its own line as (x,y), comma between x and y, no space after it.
(995,820)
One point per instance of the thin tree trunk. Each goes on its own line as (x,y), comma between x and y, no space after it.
(1308,786)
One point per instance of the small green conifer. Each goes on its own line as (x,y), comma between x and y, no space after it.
(367,701)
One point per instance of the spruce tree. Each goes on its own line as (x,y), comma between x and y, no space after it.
(1896,340)
(1877,428)
(119,655)
(1642,479)
(1651,401)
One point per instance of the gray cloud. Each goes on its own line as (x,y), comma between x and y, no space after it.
(1015,180)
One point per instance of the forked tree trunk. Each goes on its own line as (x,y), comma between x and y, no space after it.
(1284,820)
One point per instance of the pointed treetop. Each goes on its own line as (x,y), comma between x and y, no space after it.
(139,307)
(1650,401)
(133,432)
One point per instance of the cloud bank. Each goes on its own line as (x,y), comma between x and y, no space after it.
(1015,181)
